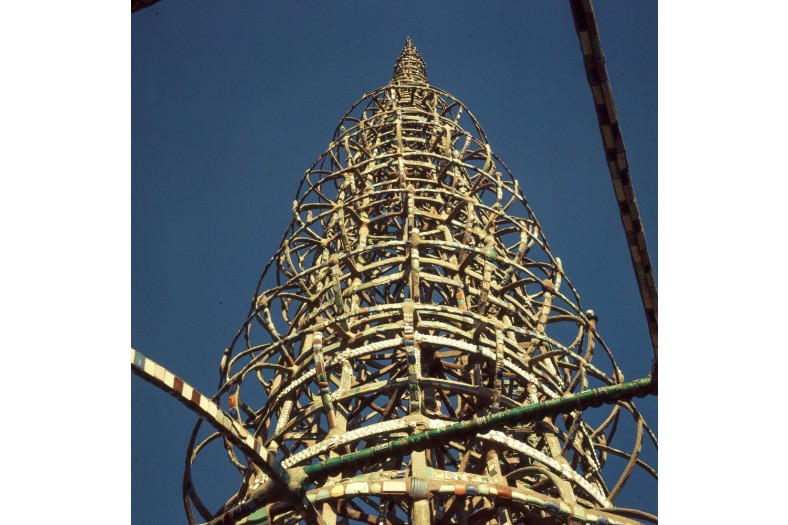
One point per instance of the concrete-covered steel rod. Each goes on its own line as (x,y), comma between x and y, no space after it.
(616,156)
(252,446)
(533,412)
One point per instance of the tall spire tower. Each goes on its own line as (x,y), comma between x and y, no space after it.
(414,352)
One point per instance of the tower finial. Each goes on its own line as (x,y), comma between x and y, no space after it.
(410,67)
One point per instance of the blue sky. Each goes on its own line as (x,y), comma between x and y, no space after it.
(231,102)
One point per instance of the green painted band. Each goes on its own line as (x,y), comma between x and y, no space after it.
(594,397)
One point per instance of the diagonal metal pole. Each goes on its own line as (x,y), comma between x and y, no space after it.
(251,445)
(616,156)
(534,412)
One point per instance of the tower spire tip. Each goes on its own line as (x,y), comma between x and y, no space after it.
(410,67)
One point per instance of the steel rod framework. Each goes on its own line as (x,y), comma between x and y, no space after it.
(414,352)
(442,433)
